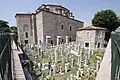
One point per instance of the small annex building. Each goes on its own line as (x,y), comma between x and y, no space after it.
(91,36)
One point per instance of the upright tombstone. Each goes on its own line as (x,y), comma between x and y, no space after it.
(51,57)
(88,51)
(72,61)
(40,48)
(50,72)
(68,79)
(97,66)
(62,50)
(79,62)
(54,68)
(71,76)
(56,55)
(60,69)
(67,39)
(66,57)
(62,59)
(66,67)
(27,49)
(81,55)
(39,65)
(77,74)
(86,58)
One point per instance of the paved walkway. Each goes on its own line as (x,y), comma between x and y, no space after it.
(105,67)
(18,73)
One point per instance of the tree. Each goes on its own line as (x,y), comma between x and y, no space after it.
(13,30)
(106,19)
(119,20)
(4,27)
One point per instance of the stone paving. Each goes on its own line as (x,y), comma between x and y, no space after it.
(18,73)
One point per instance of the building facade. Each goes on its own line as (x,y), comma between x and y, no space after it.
(91,36)
(52,24)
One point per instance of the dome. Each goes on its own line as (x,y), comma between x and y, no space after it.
(58,9)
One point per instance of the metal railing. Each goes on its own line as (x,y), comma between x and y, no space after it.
(5,57)
(115,68)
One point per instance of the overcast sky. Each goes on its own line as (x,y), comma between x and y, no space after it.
(83,10)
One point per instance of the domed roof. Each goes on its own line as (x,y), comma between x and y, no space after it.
(52,5)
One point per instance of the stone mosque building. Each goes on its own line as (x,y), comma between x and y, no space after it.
(52,24)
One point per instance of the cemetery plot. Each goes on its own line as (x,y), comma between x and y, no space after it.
(64,62)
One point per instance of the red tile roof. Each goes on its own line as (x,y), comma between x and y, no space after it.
(91,28)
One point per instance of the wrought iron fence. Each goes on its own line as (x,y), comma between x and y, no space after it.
(5,57)
(115,68)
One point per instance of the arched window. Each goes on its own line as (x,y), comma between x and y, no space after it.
(62,41)
(26,34)
(25,27)
(62,26)
(70,27)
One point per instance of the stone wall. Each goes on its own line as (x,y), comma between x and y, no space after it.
(93,37)
(39,26)
(83,36)
(52,26)
(46,23)
(100,36)
(21,21)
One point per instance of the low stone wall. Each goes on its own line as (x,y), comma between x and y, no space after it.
(104,72)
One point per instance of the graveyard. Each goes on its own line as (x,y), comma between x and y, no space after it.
(69,61)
